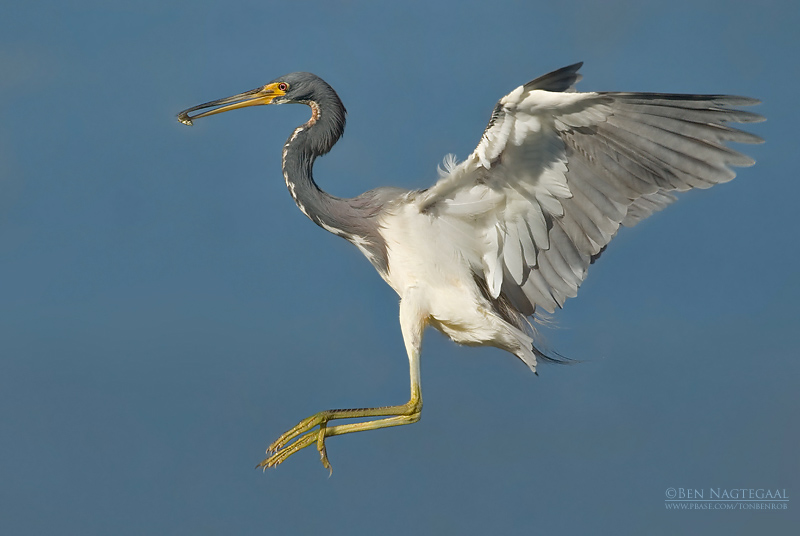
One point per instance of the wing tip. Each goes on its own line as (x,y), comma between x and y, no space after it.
(560,80)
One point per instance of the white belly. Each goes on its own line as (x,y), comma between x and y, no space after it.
(425,255)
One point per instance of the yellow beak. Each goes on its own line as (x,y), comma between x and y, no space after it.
(255,97)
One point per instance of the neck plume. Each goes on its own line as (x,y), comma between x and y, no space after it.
(310,140)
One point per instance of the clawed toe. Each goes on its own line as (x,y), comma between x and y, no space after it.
(289,444)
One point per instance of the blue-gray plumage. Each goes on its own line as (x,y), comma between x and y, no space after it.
(514,227)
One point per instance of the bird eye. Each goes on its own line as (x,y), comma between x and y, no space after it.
(283,86)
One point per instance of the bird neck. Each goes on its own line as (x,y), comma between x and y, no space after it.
(354,219)
(315,138)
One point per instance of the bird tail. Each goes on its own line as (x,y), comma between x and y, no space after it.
(539,350)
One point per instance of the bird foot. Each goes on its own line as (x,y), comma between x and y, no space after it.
(301,436)
(304,434)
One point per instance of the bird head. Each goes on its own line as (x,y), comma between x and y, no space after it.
(294,87)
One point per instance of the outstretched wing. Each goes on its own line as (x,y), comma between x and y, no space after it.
(557,172)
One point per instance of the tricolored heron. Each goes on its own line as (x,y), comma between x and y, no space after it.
(515,226)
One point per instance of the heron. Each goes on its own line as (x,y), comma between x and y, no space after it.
(510,231)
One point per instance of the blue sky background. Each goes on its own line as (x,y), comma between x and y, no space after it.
(166,311)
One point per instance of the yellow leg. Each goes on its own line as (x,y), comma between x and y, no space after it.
(412,323)
(289,443)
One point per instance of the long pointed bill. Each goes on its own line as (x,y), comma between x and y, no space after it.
(255,97)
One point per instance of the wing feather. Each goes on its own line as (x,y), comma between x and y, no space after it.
(513,256)
(577,261)
(564,270)
(526,242)
(538,291)
(554,283)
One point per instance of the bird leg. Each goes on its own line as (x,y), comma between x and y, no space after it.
(304,433)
